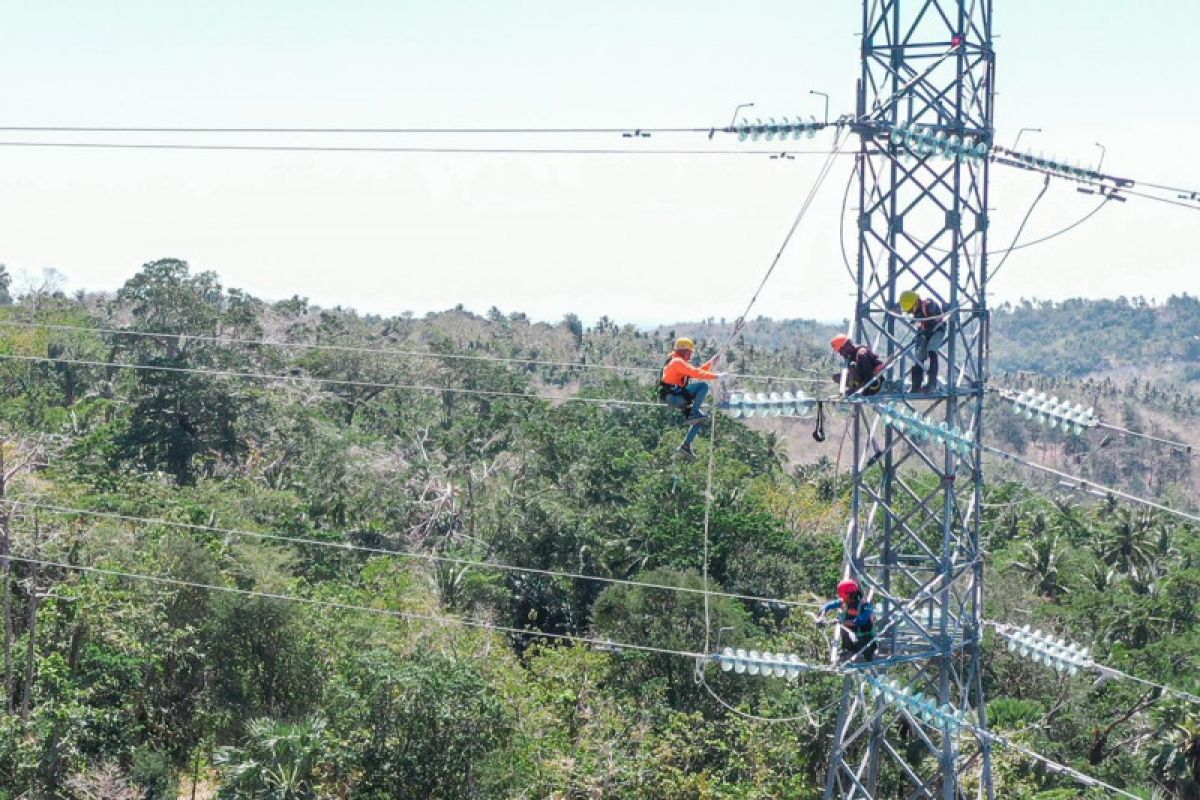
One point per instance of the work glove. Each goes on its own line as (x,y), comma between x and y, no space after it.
(722,376)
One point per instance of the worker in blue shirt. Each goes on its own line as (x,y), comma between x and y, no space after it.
(856,621)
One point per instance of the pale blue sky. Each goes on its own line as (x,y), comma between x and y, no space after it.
(546,234)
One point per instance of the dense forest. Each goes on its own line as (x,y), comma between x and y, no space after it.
(238,570)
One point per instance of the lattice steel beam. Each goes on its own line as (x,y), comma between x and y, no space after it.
(913,537)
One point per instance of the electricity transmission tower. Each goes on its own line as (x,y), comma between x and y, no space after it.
(924,118)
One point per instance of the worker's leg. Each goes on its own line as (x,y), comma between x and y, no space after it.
(932,342)
(698,391)
(846,643)
(917,377)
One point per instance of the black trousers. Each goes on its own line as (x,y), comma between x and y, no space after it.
(860,647)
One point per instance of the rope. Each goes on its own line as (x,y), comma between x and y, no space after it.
(838,142)
(1021,227)
(708,488)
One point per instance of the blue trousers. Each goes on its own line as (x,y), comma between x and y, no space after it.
(693,393)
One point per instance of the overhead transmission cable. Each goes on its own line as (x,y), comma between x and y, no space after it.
(224,373)
(1103,490)
(600,151)
(387,612)
(603,644)
(639,131)
(1061,654)
(382,551)
(1182,447)
(337,348)
(1122,186)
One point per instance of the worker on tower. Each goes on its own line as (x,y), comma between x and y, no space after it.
(864,370)
(931,334)
(683,386)
(856,621)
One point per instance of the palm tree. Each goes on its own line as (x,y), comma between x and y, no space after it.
(1069,520)
(1130,543)
(1040,562)
(278,761)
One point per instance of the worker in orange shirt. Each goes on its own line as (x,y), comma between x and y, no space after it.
(683,386)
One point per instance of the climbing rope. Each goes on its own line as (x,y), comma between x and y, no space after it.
(712,450)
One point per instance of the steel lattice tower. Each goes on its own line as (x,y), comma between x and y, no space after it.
(913,536)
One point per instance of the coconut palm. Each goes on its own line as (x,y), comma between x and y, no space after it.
(1131,543)
(1039,561)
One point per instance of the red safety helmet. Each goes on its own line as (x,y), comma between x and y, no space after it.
(838,342)
(846,588)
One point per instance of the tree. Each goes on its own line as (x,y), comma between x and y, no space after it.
(430,725)
(668,619)
(178,417)
(1175,758)
(276,761)
(1039,561)
(1131,542)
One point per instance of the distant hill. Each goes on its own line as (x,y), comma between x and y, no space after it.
(1081,337)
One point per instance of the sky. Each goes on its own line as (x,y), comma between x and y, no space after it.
(640,238)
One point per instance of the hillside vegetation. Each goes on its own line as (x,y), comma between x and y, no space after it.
(240,565)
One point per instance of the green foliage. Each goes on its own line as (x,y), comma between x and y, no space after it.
(135,683)
(276,761)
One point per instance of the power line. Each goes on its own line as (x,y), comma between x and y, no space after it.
(1061,231)
(1041,239)
(1062,413)
(1106,490)
(1106,672)
(337,348)
(409,615)
(1122,186)
(633,129)
(1183,447)
(222,373)
(1190,193)
(1055,766)
(386,149)
(428,557)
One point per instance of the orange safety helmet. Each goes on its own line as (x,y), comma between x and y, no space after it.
(847,588)
(838,342)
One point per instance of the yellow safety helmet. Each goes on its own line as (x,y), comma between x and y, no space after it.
(908,301)
(684,343)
